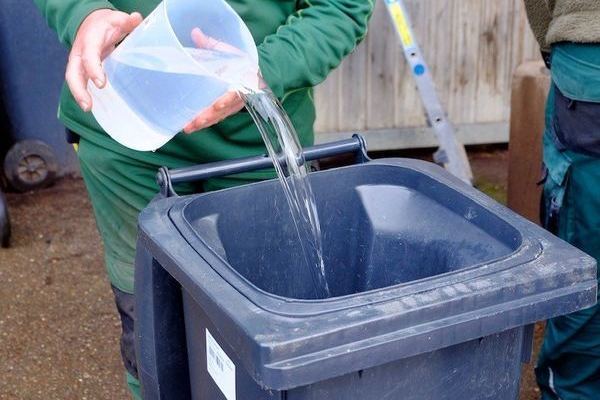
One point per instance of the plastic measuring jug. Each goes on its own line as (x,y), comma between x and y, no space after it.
(182,57)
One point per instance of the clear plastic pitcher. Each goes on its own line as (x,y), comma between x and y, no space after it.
(182,58)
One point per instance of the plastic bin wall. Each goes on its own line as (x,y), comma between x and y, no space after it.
(32,69)
(435,289)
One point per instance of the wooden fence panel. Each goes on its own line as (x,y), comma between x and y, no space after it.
(472,47)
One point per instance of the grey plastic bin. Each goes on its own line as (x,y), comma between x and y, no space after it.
(435,289)
(32,69)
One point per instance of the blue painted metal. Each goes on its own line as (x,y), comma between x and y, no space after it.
(32,70)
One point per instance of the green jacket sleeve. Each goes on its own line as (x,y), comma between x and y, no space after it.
(65,16)
(539,15)
(312,42)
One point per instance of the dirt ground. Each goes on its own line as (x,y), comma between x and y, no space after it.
(58,327)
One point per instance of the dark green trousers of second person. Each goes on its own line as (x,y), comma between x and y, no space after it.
(569,362)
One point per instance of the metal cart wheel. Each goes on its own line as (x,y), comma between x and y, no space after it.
(4,222)
(29,165)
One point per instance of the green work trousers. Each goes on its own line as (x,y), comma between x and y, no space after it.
(120,184)
(569,362)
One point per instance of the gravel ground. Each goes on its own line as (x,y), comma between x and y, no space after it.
(58,327)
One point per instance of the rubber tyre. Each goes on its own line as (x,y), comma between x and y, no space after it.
(4,222)
(30,165)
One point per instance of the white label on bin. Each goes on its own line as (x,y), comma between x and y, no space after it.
(220,367)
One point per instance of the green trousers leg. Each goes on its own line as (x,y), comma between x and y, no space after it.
(134,386)
(119,187)
(569,362)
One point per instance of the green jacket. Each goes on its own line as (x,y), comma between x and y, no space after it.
(556,21)
(299,43)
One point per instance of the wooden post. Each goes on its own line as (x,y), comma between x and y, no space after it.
(530,86)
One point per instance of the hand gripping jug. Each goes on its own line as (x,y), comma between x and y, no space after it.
(182,57)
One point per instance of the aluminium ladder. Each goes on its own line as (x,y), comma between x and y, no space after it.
(451,153)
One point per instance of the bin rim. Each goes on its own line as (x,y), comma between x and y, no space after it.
(525,252)
(293,343)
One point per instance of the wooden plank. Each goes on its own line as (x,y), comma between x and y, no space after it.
(494,65)
(529,90)
(472,47)
(353,90)
(327,103)
(381,74)
(525,47)
(463,61)
(422,137)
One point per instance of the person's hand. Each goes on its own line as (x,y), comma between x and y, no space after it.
(228,104)
(96,37)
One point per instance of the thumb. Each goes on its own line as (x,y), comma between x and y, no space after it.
(133,20)
(123,25)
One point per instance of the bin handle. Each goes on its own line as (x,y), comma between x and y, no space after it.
(166,178)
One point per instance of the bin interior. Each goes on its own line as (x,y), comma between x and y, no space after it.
(382,225)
